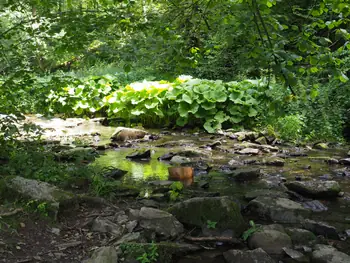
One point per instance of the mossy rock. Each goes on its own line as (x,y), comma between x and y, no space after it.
(321,146)
(197,211)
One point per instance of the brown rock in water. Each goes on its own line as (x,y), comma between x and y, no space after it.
(183,174)
(123,134)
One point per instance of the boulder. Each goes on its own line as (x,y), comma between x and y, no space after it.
(301,237)
(279,210)
(315,188)
(196,211)
(36,190)
(328,254)
(124,134)
(250,256)
(115,173)
(246,174)
(103,255)
(271,241)
(161,222)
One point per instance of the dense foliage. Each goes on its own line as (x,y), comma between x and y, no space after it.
(77,57)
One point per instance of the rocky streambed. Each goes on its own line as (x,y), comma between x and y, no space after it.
(249,199)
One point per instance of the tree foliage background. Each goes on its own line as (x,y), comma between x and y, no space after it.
(303,46)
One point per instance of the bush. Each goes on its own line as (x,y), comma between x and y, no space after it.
(290,127)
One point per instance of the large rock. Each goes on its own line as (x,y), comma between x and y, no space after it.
(103,255)
(161,222)
(271,241)
(250,256)
(315,188)
(279,210)
(301,237)
(198,210)
(328,254)
(35,190)
(251,151)
(123,134)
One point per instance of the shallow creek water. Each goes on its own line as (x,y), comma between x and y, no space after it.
(305,167)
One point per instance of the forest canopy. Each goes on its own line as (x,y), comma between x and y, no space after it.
(72,57)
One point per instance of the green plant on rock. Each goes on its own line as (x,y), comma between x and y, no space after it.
(211,224)
(42,208)
(253,228)
(175,190)
(150,256)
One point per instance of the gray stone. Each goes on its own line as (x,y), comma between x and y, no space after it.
(131,225)
(264,148)
(315,188)
(37,190)
(271,241)
(103,225)
(104,255)
(321,228)
(251,151)
(328,254)
(123,134)
(177,159)
(273,161)
(279,210)
(301,237)
(196,211)
(161,222)
(296,255)
(242,175)
(251,256)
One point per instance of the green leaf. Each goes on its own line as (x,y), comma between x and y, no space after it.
(187,98)
(343,77)
(136,112)
(181,121)
(252,112)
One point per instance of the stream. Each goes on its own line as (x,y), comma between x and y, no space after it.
(223,155)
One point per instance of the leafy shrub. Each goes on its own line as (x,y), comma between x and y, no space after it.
(290,127)
(143,100)
(212,103)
